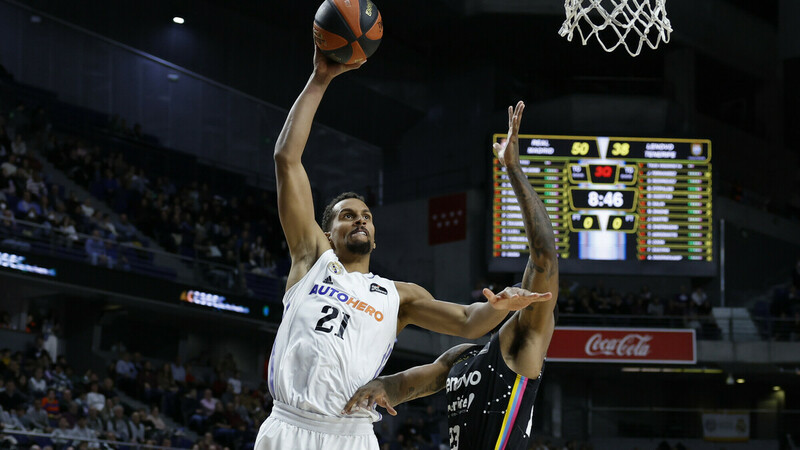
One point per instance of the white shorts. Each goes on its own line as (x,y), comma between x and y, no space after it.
(289,428)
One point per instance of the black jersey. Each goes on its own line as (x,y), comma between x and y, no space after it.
(488,405)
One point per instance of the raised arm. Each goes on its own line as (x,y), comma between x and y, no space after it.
(420,381)
(418,307)
(295,205)
(526,336)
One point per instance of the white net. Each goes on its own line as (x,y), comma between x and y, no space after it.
(630,23)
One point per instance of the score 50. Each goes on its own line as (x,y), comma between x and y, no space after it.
(618,149)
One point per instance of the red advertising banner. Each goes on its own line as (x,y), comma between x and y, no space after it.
(625,345)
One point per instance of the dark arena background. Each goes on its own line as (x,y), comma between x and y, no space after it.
(140,247)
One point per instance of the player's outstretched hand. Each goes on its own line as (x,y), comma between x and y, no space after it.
(508,152)
(514,298)
(369,395)
(326,69)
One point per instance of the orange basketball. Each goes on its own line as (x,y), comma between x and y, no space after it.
(348,31)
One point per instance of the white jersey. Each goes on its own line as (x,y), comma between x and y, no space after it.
(337,332)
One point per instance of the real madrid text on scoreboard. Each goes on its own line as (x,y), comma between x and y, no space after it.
(618,205)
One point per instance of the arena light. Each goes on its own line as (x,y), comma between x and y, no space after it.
(776,388)
(740,380)
(179,20)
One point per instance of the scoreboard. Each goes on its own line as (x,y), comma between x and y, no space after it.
(618,205)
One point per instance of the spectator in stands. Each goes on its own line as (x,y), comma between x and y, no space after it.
(125,369)
(95,422)
(107,389)
(656,307)
(94,398)
(8,222)
(37,385)
(59,379)
(126,232)
(235,382)
(18,147)
(38,349)
(218,423)
(584,307)
(155,420)
(7,186)
(81,430)
(178,371)
(66,401)
(35,185)
(208,402)
(699,297)
(27,204)
(96,249)
(62,435)
(9,167)
(68,231)
(87,208)
(603,306)
(36,417)
(137,428)
(13,419)
(51,405)
(619,306)
(118,425)
(10,398)
(682,300)
(71,414)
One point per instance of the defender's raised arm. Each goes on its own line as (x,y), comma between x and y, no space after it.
(530,330)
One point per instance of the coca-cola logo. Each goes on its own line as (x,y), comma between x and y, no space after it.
(629,345)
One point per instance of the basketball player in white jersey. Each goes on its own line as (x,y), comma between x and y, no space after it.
(491,389)
(340,321)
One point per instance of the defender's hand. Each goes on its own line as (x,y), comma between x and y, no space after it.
(508,152)
(369,395)
(514,299)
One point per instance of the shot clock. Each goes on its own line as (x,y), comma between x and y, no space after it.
(617,205)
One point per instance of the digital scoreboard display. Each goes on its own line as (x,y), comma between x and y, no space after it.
(618,205)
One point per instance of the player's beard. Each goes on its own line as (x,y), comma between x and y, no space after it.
(360,248)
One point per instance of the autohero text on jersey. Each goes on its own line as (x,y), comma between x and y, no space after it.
(348,300)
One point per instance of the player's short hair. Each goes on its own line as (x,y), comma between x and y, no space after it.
(327,215)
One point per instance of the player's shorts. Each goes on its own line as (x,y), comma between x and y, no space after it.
(289,428)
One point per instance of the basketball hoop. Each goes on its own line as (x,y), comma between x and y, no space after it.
(634,22)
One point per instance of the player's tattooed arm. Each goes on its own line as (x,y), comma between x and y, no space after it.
(542,262)
(529,331)
(391,390)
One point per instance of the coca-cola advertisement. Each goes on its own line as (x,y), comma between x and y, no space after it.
(657,346)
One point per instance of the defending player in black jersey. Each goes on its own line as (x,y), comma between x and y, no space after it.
(491,389)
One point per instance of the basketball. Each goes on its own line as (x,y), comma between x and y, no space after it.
(348,31)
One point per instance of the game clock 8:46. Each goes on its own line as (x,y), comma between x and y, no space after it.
(619,199)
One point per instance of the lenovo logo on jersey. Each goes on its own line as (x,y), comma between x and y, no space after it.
(375,287)
(348,300)
(468,379)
